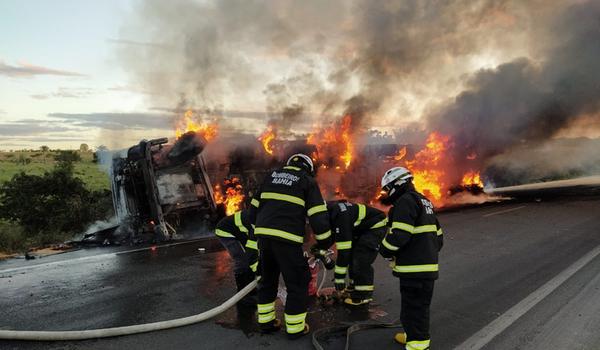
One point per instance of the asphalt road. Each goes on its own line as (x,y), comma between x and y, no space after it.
(517,275)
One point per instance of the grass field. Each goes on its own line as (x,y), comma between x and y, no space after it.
(37,162)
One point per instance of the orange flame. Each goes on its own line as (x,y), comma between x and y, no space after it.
(219,198)
(188,123)
(335,142)
(347,141)
(234,195)
(472,178)
(428,177)
(401,154)
(267,138)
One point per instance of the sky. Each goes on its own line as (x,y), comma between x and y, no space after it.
(63,82)
(58,57)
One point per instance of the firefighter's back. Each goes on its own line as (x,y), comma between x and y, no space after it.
(282,205)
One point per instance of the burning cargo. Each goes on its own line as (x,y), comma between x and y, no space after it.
(163,191)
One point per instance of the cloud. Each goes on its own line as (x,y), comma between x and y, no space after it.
(26,70)
(117,121)
(58,138)
(162,119)
(64,92)
(29,128)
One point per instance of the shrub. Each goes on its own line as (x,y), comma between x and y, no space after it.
(51,205)
(12,237)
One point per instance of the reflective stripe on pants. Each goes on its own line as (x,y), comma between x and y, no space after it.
(295,323)
(266,312)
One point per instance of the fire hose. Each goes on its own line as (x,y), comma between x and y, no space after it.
(179,322)
(126,330)
(134,329)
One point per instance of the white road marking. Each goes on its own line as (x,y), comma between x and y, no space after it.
(94,257)
(499,325)
(504,211)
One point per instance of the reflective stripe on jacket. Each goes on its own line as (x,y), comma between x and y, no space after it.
(414,237)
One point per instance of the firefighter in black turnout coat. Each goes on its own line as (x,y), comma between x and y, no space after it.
(413,241)
(234,233)
(279,209)
(358,230)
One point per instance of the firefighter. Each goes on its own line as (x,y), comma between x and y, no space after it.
(280,207)
(233,232)
(412,243)
(358,230)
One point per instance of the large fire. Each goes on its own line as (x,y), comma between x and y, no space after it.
(233,196)
(472,178)
(267,139)
(189,123)
(334,144)
(426,167)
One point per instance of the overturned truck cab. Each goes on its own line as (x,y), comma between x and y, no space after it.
(162,191)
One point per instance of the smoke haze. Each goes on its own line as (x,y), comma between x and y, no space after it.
(490,74)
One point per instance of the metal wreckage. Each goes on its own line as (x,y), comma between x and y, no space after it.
(163,191)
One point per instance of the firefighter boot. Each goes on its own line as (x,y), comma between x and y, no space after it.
(270,327)
(357,302)
(299,335)
(359,298)
(400,338)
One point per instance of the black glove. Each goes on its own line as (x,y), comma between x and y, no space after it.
(315,250)
(322,255)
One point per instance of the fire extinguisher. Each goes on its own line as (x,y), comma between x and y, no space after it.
(316,255)
(314,272)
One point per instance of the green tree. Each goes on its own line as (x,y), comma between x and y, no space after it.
(84,148)
(44,148)
(66,159)
(67,156)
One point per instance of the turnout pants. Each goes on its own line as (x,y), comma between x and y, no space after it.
(237,253)
(416,300)
(364,252)
(276,258)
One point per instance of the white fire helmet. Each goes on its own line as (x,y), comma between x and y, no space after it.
(301,159)
(396,176)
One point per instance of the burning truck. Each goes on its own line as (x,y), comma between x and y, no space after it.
(163,191)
